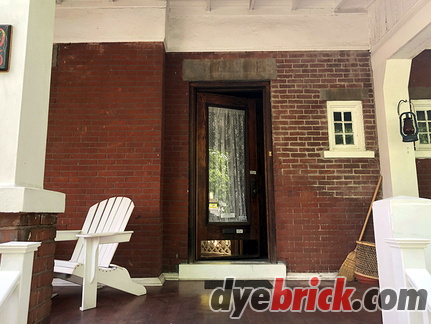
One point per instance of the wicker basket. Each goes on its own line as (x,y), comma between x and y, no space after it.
(366,260)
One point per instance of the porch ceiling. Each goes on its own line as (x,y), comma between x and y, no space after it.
(231,25)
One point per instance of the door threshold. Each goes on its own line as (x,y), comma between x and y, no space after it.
(219,270)
(233,261)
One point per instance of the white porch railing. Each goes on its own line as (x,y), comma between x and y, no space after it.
(402,227)
(410,272)
(420,279)
(15,280)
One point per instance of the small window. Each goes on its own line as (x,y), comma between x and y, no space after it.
(346,130)
(423,115)
(424,125)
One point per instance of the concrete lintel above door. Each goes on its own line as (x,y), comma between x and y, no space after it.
(244,69)
(222,270)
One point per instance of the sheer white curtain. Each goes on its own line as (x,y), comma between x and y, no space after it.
(226,146)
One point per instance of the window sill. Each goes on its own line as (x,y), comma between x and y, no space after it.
(423,154)
(349,154)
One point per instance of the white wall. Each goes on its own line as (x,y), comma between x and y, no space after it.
(80,21)
(210,31)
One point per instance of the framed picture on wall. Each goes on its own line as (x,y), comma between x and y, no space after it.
(5,35)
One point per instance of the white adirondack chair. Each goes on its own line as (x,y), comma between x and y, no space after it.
(97,241)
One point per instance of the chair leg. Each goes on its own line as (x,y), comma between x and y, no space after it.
(89,279)
(119,278)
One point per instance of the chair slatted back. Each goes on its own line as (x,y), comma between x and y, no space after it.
(108,216)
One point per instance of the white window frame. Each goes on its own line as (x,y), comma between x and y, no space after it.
(347,150)
(422,150)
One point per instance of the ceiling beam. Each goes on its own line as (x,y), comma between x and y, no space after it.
(352,6)
(295,4)
(337,4)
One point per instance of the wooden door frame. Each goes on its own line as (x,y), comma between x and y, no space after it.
(226,88)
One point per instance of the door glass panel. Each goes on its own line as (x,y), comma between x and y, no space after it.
(226,171)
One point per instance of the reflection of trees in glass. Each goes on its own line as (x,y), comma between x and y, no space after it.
(226,150)
(219,177)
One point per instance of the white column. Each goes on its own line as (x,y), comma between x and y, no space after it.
(24,98)
(391,59)
(397,159)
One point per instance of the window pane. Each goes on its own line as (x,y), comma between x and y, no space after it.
(349,139)
(421,115)
(423,138)
(347,116)
(422,127)
(348,127)
(337,116)
(338,127)
(226,174)
(339,139)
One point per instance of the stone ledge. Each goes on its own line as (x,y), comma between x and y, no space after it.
(31,200)
(249,69)
(221,270)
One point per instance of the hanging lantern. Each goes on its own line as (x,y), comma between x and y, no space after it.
(408,124)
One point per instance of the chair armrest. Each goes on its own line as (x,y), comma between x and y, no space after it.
(69,235)
(105,238)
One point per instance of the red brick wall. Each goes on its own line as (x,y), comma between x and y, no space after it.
(320,203)
(105,139)
(420,70)
(423,169)
(175,166)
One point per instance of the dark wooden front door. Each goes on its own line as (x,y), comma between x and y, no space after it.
(230,178)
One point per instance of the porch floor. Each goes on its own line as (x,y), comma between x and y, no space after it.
(187,302)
